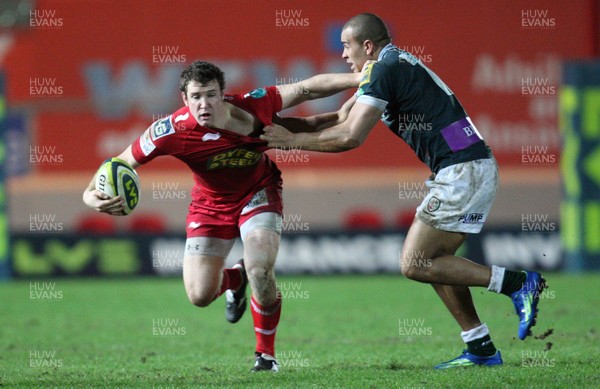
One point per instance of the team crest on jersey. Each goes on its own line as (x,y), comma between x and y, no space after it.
(433,204)
(161,128)
(256,93)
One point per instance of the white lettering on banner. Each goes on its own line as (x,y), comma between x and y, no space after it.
(369,253)
(298,254)
(358,253)
(506,75)
(523,250)
(508,137)
(312,253)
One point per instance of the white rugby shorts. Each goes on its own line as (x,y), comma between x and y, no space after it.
(460,196)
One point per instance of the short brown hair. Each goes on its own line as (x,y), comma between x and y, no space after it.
(202,72)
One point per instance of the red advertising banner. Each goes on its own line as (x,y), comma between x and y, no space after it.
(92,75)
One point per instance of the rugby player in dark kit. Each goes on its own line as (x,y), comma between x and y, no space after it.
(417,106)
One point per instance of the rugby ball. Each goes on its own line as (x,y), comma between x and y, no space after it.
(116,177)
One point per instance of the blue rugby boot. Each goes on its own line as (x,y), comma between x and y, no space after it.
(526,301)
(467,359)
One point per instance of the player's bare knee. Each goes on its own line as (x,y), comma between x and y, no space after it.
(200,298)
(413,267)
(409,271)
(200,301)
(259,273)
(262,282)
(260,251)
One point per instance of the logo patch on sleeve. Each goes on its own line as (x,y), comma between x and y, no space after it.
(162,128)
(256,93)
(146,143)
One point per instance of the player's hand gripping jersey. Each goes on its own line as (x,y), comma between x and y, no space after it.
(229,168)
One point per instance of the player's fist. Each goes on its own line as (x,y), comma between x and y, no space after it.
(101,202)
(278,136)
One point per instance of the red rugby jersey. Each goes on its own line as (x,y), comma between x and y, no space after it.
(228,167)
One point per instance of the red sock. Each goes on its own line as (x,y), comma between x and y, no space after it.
(265,325)
(232,279)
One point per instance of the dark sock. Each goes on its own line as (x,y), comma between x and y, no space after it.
(513,281)
(482,347)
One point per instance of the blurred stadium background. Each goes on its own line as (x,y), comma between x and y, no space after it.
(83,79)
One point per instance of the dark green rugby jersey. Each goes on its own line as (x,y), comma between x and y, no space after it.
(418,107)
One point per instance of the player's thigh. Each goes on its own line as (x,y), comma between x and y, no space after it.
(426,242)
(261,235)
(460,196)
(459,200)
(203,263)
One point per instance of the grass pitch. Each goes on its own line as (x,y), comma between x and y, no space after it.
(336,331)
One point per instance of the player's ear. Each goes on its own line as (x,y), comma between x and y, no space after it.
(369,47)
(184,98)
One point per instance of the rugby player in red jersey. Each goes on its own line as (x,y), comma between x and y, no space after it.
(419,107)
(237,191)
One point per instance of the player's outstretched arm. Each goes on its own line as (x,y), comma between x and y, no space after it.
(316,87)
(316,122)
(101,202)
(344,136)
(319,86)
